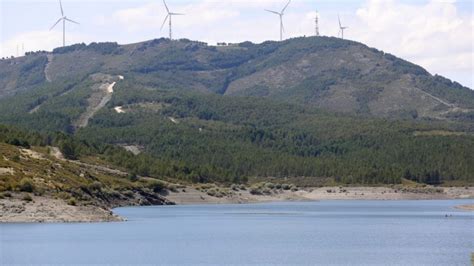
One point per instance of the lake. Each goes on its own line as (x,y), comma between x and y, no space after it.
(290,233)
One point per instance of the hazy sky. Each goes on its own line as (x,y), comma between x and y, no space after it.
(437,35)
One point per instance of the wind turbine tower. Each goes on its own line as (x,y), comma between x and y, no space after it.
(281,13)
(341,28)
(168,17)
(316,22)
(63,18)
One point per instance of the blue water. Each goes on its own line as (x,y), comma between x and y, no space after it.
(299,233)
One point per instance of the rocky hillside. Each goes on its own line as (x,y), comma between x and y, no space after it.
(329,73)
(39,184)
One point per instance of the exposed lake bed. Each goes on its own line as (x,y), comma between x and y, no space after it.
(337,232)
(45,209)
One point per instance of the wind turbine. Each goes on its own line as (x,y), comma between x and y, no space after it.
(281,13)
(63,18)
(341,28)
(168,17)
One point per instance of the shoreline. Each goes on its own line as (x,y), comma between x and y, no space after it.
(466,207)
(41,209)
(194,196)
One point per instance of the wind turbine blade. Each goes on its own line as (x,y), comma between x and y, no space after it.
(283,10)
(70,20)
(274,12)
(167,10)
(56,23)
(339,19)
(61,6)
(162,25)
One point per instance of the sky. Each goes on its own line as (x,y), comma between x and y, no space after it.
(436,34)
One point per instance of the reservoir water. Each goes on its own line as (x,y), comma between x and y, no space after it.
(294,233)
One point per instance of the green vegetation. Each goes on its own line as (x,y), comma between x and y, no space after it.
(231,139)
(245,127)
(26,185)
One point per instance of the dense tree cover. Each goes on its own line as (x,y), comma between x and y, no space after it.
(50,107)
(451,91)
(228,139)
(21,74)
(241,137)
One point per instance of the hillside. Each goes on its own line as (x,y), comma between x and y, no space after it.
(329,73)
(37,184)
(323,109)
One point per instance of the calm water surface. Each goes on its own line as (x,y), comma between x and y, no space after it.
(299,233)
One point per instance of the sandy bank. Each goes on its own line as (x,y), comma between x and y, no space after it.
(194,196)
(466,207)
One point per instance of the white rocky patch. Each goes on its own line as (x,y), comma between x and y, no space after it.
(110,88)
(173,120)
(119,109)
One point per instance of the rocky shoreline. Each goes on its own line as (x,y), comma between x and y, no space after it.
(47,210)
(29,208)
(43,209)
(194,196)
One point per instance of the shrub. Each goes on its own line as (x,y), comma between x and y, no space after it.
(212,192)
(69,150)
(26,185)
(63,195)
(156,185)
(16,158)
(133,177)
(285,186)
(128,193)
(172,188)
(17,142)
(72,202)
(215,192)
(255,191)
(96,186)
(27,197)
(270,185)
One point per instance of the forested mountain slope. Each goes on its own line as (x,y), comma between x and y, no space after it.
(309,107)
(330,73)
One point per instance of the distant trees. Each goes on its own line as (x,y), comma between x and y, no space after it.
(68,150)
(101,48)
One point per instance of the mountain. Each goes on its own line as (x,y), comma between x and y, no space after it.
(319,107)
(329,73)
